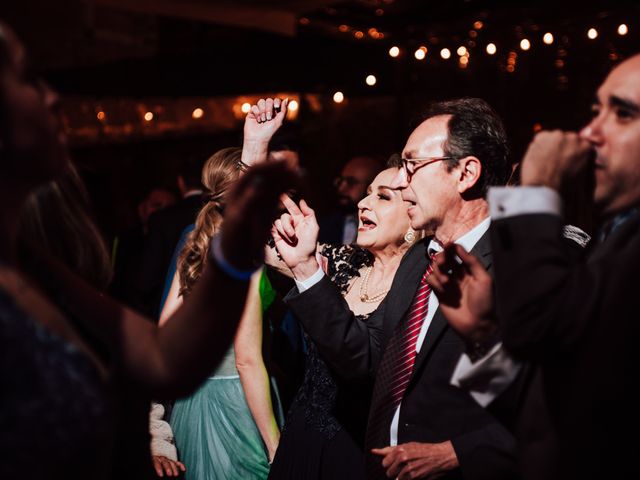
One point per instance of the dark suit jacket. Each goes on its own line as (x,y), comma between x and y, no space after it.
(577,320)
(432,410)
(165,228)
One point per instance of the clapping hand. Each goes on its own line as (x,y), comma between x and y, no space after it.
(296,237)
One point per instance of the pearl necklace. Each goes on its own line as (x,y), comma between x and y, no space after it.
(364,289)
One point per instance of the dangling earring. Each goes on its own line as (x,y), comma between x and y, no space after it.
(410,236)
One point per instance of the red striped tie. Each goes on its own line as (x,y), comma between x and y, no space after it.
(393,375)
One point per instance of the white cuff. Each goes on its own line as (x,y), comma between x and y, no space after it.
(488,377)
(511,201)
(307,283)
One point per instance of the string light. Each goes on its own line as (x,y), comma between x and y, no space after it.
(420,53)
(394,52)
(548,38)
(246,107)
(371,80)
(525,44)
(358,34)
(462,51)
(478,25)
(338,97)
(197,113)
(491,48)
(592,33)
(293,106)
(101,115)
(343,28)
(445,53)
(148,116)
(623,29)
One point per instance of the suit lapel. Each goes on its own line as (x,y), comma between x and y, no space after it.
(482,250)
(404,286)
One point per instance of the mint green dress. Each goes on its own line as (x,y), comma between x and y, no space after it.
(214,431)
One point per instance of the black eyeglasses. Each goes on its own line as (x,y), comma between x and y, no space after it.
(350,181)
(410,165)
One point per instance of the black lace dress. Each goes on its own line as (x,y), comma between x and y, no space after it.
(324,431)
(55,411)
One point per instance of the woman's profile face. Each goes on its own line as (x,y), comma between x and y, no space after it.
(383,218)
(32,134)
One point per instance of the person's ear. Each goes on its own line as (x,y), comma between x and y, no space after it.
(469,173)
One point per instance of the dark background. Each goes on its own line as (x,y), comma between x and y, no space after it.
(138,50)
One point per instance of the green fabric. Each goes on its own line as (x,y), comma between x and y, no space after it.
(267,292)
(215,433)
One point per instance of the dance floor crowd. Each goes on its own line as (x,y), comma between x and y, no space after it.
(458,315)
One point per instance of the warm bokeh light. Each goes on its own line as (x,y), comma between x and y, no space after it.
(462,51)
(293,106)
(343,28)
(525,44)
(592,33)
(548,38)
(101,115)
(478,25)
(623,29)
(358,34)
(491,48)
(445,53)
(371,80)
(464,61)
(338,97)
(246,107)
(420,53)
(394,52)
(537,127)
(197,113)
(148,116)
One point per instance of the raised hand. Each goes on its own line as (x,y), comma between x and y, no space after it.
(296,237)
(265,118)
(262,122)
(555,158)
(251,208)
(465,293)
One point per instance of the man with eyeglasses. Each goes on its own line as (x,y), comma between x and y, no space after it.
(341,225)
(419,424)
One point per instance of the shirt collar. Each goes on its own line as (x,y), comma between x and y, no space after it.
(466,241)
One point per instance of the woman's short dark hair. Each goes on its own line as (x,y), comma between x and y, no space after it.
(475,129)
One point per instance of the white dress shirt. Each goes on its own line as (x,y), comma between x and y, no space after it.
(467,241)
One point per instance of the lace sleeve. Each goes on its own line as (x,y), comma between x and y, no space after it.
(344,263)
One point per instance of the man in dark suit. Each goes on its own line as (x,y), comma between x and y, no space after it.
(576,319)
(419,425)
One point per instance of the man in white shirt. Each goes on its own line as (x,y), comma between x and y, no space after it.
(575,320)
(419,425)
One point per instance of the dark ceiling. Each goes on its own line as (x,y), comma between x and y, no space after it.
(197,47)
